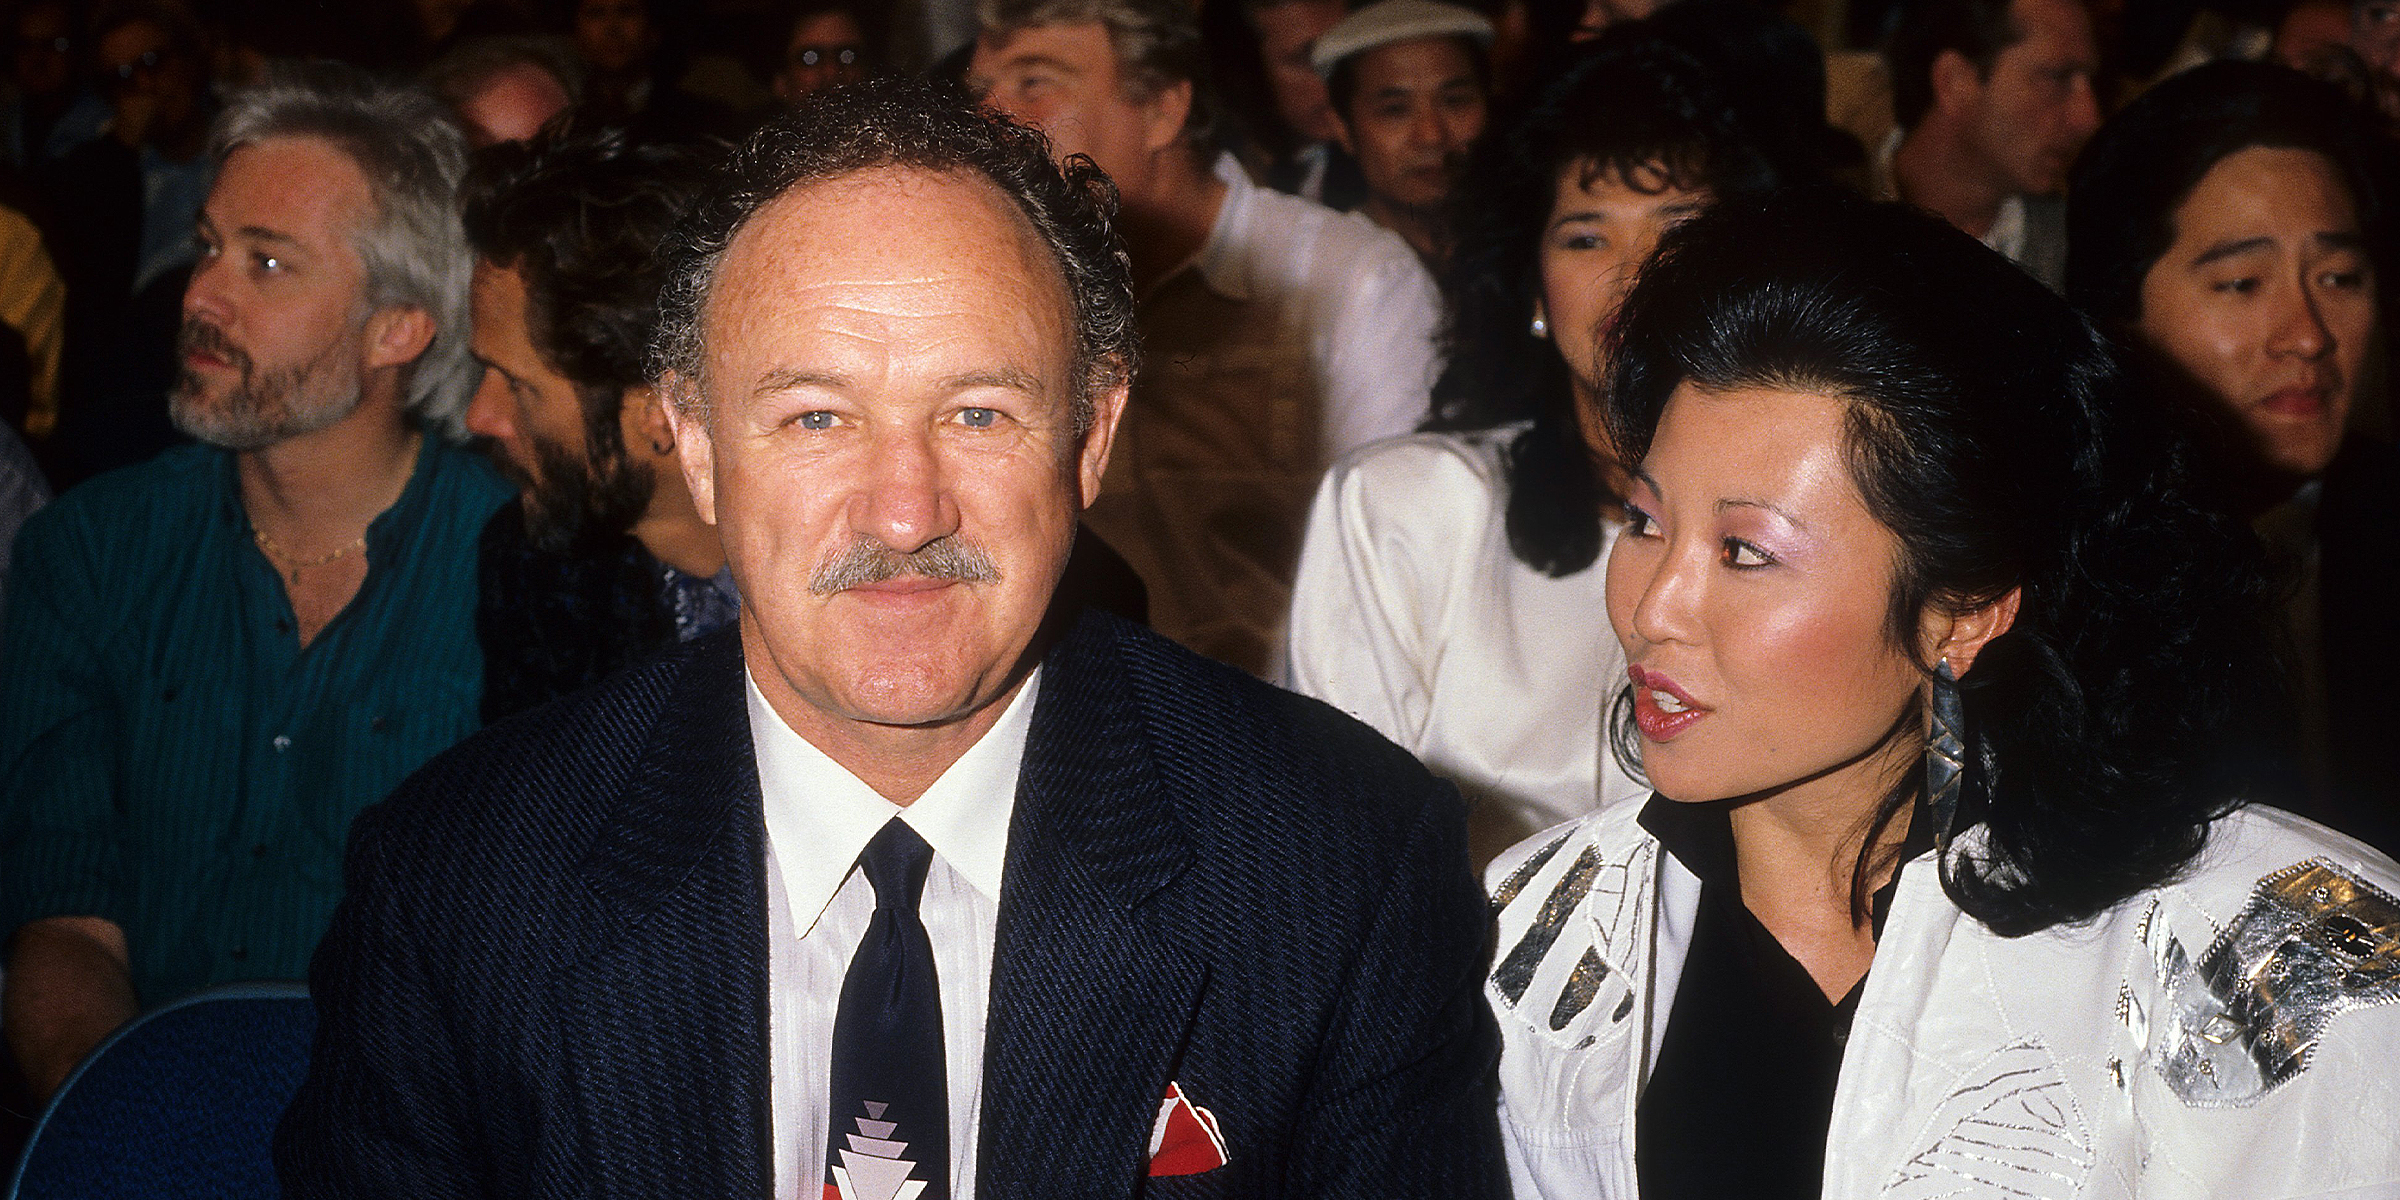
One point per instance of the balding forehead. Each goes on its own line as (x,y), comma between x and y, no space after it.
(783,235)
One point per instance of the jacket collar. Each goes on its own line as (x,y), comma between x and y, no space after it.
(1092,991)
(663,1027)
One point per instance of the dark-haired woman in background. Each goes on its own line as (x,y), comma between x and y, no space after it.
(1446,585)
(2234,222)
(1941,676)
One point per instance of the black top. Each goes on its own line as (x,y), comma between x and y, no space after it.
(1742,1094)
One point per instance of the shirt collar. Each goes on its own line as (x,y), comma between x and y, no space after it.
(2007,234)
(820,816)
(1218,261)
(1887,187)
(386,532)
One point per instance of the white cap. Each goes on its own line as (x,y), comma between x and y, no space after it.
(1388,21)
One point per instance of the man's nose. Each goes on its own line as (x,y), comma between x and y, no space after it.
(904,502)
(1425,128)
(488,410)
(2084,110)
(204,295)
(2300,329)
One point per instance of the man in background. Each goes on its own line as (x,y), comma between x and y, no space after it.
(1306,161)
(826,43)
(1278,334)
(1994,99)
(212,661)
(601,560)
(1411,83)
(505,88)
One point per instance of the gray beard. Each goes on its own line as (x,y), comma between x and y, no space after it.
(262,407)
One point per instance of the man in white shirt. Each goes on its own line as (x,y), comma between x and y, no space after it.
(918,885)
(1278,334)
(1993,99)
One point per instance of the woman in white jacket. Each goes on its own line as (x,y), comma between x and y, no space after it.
(1943,675)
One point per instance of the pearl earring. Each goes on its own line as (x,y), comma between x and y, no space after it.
(1541,321)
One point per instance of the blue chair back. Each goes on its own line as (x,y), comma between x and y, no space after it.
(180,1102)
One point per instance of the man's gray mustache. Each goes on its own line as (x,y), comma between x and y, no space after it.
(868,561)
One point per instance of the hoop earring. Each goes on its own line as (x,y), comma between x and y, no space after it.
(1541,320)
(1945,756)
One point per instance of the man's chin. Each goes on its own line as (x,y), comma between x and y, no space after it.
(196,418)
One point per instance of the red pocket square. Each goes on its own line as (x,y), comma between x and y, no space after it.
(1185,1141)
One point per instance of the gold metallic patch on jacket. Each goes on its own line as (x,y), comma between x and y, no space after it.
(2314,942)
(1515,972)
(1517,879)
(1581,987)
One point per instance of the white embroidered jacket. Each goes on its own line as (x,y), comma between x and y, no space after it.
(2235,1033)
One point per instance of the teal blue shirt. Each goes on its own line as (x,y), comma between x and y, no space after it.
(171,758)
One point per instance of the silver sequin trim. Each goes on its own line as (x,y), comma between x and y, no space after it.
(2314,942)
(2015,1131)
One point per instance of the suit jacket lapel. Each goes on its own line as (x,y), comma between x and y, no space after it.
(1091,996)
(663,1028)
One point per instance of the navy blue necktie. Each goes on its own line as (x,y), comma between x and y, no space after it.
(890,1120)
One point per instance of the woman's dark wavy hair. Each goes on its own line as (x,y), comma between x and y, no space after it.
(925,125)
(1992,429)
(1629,104)
(2138,170)
(580,215)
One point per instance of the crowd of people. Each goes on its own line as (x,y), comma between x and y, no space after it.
(1409,597)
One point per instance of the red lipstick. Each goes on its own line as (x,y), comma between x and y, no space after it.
(1662,710)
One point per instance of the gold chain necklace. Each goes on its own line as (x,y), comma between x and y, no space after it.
(292,566)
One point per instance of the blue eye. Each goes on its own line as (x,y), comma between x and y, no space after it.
(978,418)
(818,420)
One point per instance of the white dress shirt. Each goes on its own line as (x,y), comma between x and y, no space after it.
(819,818)
(1412,614)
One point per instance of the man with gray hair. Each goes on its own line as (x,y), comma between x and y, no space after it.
(212,661)
(922,882)
(1278,334)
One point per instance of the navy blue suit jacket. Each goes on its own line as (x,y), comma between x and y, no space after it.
(549,975)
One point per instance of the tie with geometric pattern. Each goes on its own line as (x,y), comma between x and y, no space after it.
(890,1119)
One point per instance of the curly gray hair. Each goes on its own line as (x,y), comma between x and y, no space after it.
(413,247)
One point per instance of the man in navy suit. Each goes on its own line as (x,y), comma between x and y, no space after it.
(917,885)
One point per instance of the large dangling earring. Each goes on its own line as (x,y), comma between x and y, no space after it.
(1541,320)
(1945,756)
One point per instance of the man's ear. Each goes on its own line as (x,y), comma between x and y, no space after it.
(1957,639)
(396,336)
(682,402)
(1341,133)
(1091,459)
(1164,114)
(644,422)
(1957,85)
